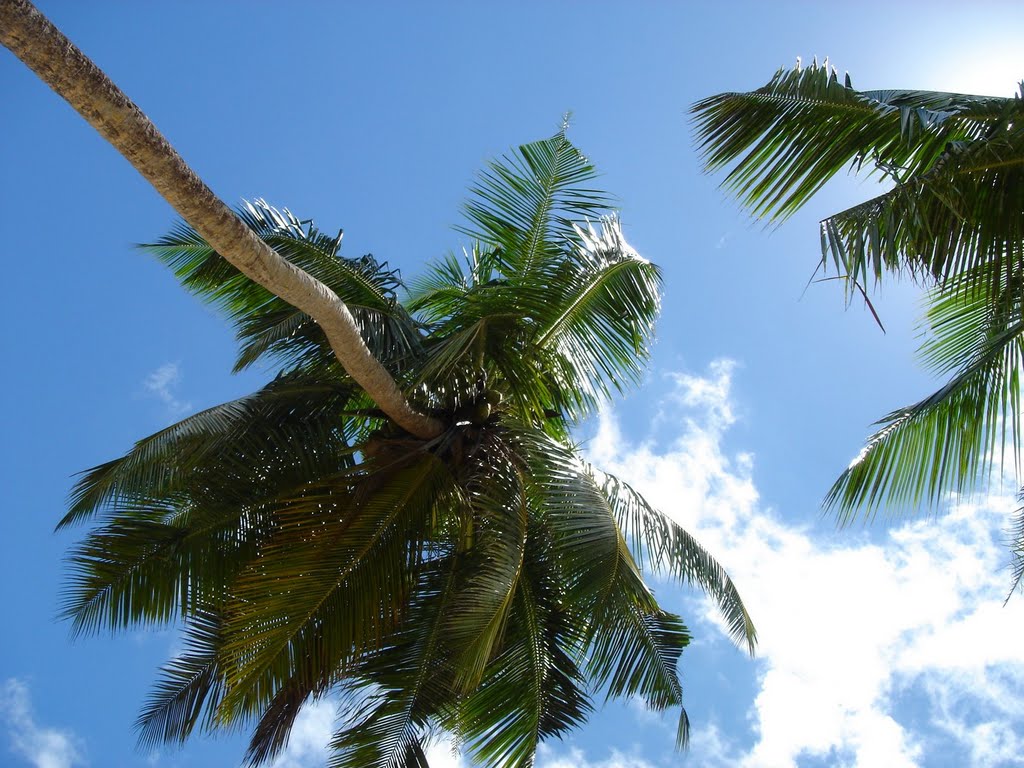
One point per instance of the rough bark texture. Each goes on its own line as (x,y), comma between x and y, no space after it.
(40,45)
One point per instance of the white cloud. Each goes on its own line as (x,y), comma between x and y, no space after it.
(995,737)
(441,755)
(39,745)
(845,624)
(161,384)
(310,736)
(710,749)
(576,758)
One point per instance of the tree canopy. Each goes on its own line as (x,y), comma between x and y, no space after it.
(487,581)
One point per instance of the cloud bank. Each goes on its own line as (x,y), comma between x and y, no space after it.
(850,629)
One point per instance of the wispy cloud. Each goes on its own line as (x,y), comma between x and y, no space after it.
(846,625)
(38,745)
(162,384)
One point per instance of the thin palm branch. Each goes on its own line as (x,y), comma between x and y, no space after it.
(1016,549)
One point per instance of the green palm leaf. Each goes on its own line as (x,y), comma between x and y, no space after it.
(533,689)
(560,342)
(189,690)
(333,578)
(598,325)
(963,212)
(632,644)
(1017,548)
(528,204)
(636,649)
(950,440)
(138,571)
(957,163)
(288,417)
(953,218)
(670,549)
(804,127)
(399,688)
(270,735)
(495,537)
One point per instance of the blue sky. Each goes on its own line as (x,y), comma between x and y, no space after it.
(883,645)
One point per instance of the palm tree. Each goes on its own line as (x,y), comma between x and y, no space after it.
(399,516)
(952,219)
(485,581)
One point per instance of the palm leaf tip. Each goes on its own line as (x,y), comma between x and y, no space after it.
(683,730)
(1016,544)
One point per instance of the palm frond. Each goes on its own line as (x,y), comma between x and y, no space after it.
(333,579)
(633,645)
(533,689)
(1016,549)
(962,213)
(598,325)
(143,571)
(529,203)
(636,650)
(956,162)
(495,537)
(269,326)
(270,735)
(442,291)
(952,439)
(400,687)
(189,507)
(672,550)
(190,688)
(791,136)
(286,419)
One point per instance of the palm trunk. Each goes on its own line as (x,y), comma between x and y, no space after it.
(40,45)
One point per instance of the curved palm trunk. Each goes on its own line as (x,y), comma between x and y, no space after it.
(60,64)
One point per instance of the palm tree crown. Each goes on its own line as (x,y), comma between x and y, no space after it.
(952,219)
(486,581)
